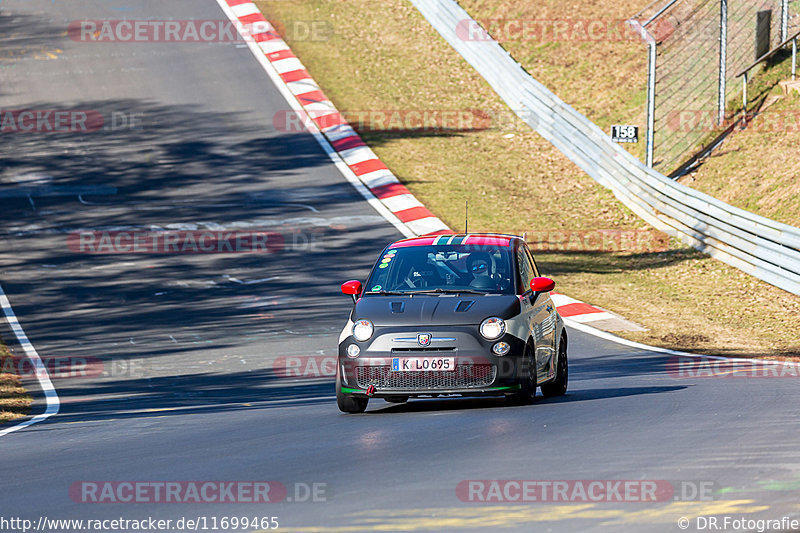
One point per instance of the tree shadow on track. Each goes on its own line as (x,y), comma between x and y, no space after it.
(466,404)
(618,365)
(186,395)
(180,167)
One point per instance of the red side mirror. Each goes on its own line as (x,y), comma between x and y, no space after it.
(542,284)
(352,287)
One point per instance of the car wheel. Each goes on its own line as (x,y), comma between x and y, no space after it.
(527,382)
(558,387)
(396,399)
(349,403)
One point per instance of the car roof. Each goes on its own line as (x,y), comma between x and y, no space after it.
(475,239)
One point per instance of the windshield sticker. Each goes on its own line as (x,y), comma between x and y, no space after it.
(376,288)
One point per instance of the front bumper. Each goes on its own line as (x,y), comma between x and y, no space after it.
(477,370)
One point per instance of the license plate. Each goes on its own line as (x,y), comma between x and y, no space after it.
(423,364)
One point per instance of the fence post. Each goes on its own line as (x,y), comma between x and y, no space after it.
(744,100)
(723,58)
(651,100)
(784,20)
(794,59)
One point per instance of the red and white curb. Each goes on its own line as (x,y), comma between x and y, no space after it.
(583,313)
(361,160)
(289,73)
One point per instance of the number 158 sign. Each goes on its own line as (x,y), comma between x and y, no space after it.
(624,134)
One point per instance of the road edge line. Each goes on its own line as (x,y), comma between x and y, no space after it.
(51,397)
(586,328)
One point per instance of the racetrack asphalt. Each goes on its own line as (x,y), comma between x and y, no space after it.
(189,342)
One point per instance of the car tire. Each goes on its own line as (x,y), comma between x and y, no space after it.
(558,387)
(527,391)
(348,403)
(396,399)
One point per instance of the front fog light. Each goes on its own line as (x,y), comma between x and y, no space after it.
(501,348)
(353,350)
(362,330)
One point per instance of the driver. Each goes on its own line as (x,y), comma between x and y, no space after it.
(478,264)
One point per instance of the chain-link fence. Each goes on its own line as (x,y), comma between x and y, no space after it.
(692,71)
(794,16)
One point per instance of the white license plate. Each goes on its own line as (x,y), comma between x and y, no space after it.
(423,364)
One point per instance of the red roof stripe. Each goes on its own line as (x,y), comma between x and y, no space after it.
(416,241)
(491,240)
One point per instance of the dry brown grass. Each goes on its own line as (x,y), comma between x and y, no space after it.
(758,169)
(14,401)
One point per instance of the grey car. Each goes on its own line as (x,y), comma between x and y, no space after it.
(446,315)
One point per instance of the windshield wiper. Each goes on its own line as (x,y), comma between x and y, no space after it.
(382,292)
(446,291)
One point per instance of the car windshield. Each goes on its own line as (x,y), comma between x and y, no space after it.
(444,268)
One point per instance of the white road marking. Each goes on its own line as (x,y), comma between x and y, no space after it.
(51,397)
(585,328)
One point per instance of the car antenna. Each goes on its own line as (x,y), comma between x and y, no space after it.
(466,217)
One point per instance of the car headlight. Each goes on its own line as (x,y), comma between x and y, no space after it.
(362,330)
(492,328)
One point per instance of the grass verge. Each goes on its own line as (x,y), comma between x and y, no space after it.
(383,56)
(14,401)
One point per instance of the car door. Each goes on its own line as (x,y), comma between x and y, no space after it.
(547,325)
(536,313)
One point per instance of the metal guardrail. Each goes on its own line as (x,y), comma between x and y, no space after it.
(764,248)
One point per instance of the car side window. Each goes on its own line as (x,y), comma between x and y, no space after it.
(532,260)
(526,272)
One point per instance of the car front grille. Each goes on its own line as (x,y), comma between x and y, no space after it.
(421,349)
(463,377)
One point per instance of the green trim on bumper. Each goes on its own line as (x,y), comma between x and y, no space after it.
(512,387)
(348,390)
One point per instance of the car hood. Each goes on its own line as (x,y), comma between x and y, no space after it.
(435,310)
